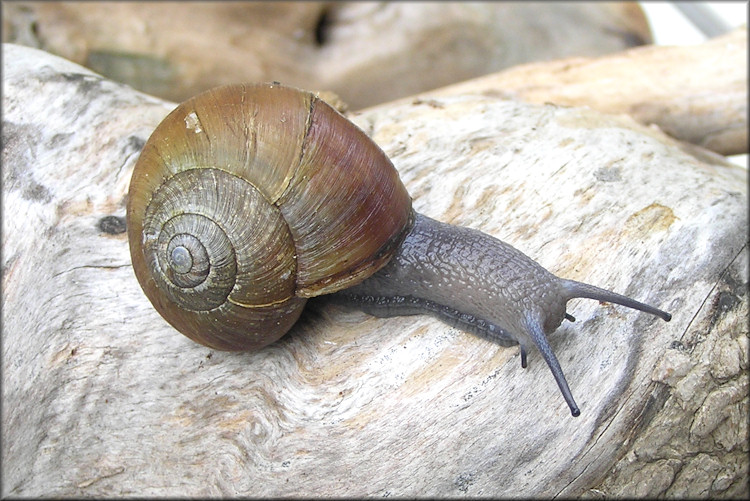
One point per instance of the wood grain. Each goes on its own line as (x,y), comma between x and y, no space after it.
(101,397)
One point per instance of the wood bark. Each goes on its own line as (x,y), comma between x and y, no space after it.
(102,398)
(367,52)
(697,94)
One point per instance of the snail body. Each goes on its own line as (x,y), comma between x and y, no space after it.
(249,199)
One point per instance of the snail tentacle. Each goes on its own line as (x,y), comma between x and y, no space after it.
(535,332)
(579,289)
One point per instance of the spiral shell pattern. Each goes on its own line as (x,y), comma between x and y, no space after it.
(248,199)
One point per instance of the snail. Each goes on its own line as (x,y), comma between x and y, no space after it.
(249,199)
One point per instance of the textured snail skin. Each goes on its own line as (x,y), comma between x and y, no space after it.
(249,199)
(478,283)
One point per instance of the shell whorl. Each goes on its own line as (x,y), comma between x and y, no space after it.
(248,199)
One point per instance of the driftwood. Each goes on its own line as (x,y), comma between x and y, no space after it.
(697,94)
(102,398)
(367,52)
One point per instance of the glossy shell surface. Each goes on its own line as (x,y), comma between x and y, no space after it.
(248,199)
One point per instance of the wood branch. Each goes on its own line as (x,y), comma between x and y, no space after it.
(697,94)
(102,398)
(367,52)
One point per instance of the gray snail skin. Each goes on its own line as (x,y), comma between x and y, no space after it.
(249,199)
(480,284)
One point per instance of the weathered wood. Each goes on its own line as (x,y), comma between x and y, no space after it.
(101,397)
(695,93)
(367,52)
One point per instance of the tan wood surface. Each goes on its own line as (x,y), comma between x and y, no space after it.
(367,52)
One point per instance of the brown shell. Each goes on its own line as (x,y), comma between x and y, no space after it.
(248,199)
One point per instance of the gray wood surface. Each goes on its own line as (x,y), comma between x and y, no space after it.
(101,397)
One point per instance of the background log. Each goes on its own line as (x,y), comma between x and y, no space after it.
(697,94)
(101,397)
(367,52)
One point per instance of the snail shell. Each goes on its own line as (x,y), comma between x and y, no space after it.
(284,212)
